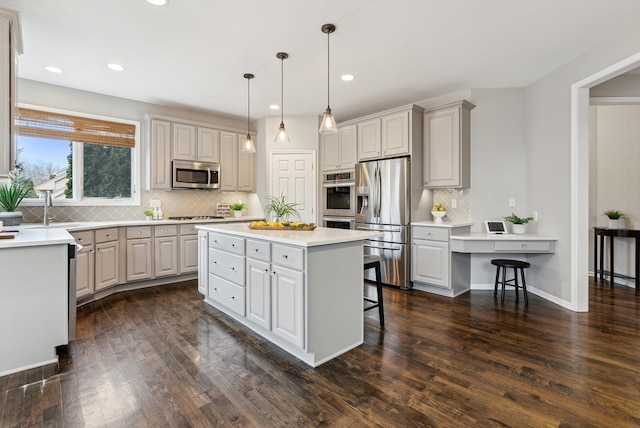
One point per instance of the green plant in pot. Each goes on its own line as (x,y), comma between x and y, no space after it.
(10,198)
(614,217)
(148,214)
(519,223)
(280,208)
(237,209)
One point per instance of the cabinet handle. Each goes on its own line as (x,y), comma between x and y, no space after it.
(215,289)
(233,245)
(273,273)
(233,269)
(284,256)
(215,263)
(233,297)
(256,250)
(524,245)
(80,239)
(108,235)
(139,232)
(266,270)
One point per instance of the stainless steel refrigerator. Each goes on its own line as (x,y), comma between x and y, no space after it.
(383,203)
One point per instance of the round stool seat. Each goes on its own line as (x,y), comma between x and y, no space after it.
(510,263)
(371,258)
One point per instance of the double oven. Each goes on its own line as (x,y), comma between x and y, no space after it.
(339,200)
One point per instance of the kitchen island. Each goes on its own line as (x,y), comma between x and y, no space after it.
(301,290)
(33,298)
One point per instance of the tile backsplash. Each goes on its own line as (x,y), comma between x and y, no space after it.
(174,203)
(462,212)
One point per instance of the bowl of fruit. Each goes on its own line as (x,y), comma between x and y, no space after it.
(281,225)
(438,212)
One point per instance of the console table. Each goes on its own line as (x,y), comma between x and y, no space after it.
(599,234)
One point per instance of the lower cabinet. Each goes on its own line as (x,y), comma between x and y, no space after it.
(107,255)
(287,306)
(203,261)
(259,293)
(188,251)
(431,262)
(85,264)
(166,250)
(139,253)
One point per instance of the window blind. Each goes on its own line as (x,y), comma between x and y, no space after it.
(38,123)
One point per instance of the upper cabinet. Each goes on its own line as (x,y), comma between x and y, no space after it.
(390,134)
(447,146)
(169,140)
(338,151)
(10,45)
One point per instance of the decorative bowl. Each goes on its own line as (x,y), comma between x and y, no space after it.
(437,216)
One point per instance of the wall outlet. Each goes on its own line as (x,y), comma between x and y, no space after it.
(454,203)
(535,216)
(512,202)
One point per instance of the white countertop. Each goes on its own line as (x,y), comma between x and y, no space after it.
(36,237)
(500,237)
(445,224)
(301,238)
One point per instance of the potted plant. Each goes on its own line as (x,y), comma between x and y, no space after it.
(237,209)
(519,223)
(10,198)
(148,214)
(280,208)
(614,218)
(438,211)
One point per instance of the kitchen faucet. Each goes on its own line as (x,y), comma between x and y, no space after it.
(48,202)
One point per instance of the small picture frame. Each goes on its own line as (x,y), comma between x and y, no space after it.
(495,227)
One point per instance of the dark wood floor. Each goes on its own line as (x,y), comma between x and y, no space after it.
(160,357)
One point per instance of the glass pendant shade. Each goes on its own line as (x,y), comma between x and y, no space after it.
(328,125)
(248,146)
(281,136)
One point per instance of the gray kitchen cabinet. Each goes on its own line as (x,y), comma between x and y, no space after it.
(159,154)
(165,250)
(188,254)
(184,146)
(208,145)
(228,161)
(391,133)
(106,258)
(258,293)
(85,264)
(447,146)
(139,253)
(339,150)
(10,35)
(431,262)
(287,306)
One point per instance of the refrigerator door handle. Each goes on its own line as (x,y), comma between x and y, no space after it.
(377,247)
(378,230)
(379,192)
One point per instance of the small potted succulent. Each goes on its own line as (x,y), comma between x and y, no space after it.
(148,214)
(237,209)
(10,197)
(519,223)
(614,218)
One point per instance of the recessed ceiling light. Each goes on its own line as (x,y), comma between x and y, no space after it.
(274,107)
(115,67)
(347,77)
(158,2)
(52,69)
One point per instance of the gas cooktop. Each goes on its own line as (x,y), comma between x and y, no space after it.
(196,217)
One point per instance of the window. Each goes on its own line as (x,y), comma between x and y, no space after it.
(82,160)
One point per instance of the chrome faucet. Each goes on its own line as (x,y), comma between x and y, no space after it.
(48,202)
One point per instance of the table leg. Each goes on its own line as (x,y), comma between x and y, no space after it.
(595,254)
(602,258)
(637,264)
(611,258)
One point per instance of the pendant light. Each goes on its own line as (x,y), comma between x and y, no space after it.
(281,136)
(328,125)
(247,145)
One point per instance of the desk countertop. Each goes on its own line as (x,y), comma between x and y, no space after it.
(500,237)
(444,224)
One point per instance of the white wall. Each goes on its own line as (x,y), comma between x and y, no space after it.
(627,85)
(548,133)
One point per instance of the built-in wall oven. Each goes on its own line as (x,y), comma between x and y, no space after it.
(338,194)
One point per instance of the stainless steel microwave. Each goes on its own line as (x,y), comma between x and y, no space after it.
(195,175)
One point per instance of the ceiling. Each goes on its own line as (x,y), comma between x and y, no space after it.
(193,53)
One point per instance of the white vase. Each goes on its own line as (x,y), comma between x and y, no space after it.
(614,223)
(519,229)
(438,215)
(237,213)
(12,218)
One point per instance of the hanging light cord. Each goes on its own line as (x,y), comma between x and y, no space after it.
(328,58)
(248,104)
(282,90)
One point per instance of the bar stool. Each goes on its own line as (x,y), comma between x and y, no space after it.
(516,265)
(372,261)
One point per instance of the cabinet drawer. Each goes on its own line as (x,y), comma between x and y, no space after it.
(83,238)
(227,294)
(228,243)
(106,235)
(523,246)
(290,257)
(188,229)
(226,265)
(167,230)
(431,233)
(258,250)
(138,232)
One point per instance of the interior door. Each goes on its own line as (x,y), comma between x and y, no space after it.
(293,175)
